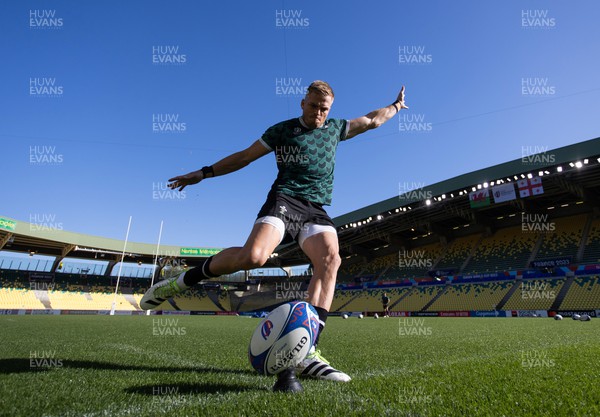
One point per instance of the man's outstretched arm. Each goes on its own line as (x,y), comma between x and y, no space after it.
(377,117)
(225,166)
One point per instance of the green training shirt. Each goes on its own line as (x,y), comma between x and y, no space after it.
(305,157)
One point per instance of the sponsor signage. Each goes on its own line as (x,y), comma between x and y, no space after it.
(486,314)
(569,313)
(175,313)
(504,192)
(532,313)
(424,313)
(79,312)
(440,273)
(454,314)
(41,276)
(551,263)
(7,224)
(199,251)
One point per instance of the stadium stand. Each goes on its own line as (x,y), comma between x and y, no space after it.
(413,263)
(591,254)
(583,294)
(481,296)
(19,298)
(506,250)
(535,294)
(418,298)
(457,252)
(370,300)
(342,298)
(564,240)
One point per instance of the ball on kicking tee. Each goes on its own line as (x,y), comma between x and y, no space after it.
(283,338)
(376,316)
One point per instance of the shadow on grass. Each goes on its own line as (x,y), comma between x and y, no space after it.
(169,390)
(20,365)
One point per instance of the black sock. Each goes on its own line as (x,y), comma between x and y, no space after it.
(322,319)
(195,275)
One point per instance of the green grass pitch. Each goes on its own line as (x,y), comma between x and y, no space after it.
(198,366)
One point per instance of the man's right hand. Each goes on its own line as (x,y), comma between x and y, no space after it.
(183,181)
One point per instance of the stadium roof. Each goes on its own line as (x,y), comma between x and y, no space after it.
(570,178)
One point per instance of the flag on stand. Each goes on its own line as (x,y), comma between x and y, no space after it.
(479,198)
(504,192)
(529,187)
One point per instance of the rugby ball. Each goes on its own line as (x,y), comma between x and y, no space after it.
(376,316)
(283,338)
(360,316)
(575,316)
(585,317)
(344,316)
(558,317)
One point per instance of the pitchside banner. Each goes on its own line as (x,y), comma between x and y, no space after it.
(454,314)
(569,313)
(399,314)
(488,313)
(532,313)
(424,313)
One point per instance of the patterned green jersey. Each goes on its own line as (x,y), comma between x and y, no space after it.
(305,157)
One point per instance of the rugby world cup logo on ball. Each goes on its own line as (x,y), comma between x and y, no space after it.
(283,338)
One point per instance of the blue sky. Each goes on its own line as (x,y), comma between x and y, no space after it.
(495,77)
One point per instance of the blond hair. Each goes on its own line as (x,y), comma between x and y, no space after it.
(320,87)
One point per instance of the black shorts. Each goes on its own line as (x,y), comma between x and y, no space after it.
(295,213)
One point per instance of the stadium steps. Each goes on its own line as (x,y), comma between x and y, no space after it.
(131,299)
(510,292)
(359,293)
(42,296)
(382,274)
(408,293)
(562,293)
(434,299)
(214,297)
(471,254)
(439,258)
(584,238)
(536,249)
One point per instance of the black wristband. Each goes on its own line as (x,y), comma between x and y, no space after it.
(394,104)
(208,170)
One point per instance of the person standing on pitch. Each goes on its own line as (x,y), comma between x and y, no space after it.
(305,150)
(385,301)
